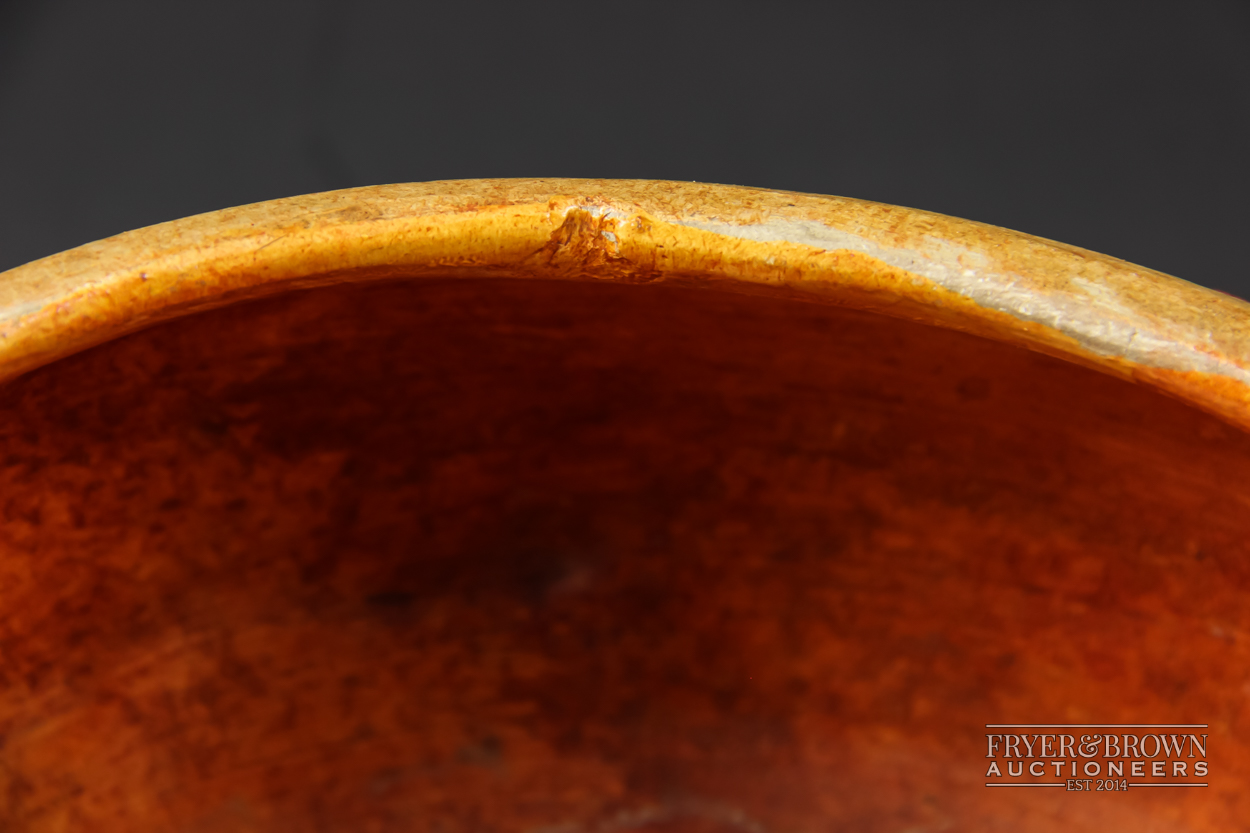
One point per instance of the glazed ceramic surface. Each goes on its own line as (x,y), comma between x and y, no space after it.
(607,506)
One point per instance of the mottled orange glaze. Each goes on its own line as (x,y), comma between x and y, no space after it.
(818,248)
(602,549)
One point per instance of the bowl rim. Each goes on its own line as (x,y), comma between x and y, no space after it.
(1185,340)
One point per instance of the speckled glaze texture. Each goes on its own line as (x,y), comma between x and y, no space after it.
(1125,319)
(603,507)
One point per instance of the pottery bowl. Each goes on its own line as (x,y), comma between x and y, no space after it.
(609,506)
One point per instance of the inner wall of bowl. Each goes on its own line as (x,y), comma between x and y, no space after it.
(522,555)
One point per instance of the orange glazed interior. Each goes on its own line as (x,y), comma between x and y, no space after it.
(488,549)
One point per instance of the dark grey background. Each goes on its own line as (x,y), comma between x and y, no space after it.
(1122,127)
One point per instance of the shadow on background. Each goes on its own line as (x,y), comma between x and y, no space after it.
(1121,128)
